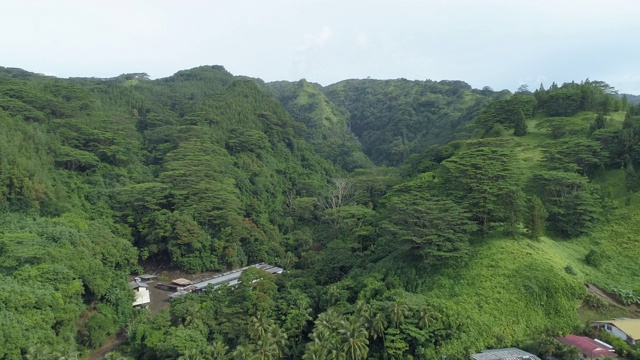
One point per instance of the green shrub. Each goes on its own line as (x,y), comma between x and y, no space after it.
(570,270)
(627,297)
(594,302)
(595,258)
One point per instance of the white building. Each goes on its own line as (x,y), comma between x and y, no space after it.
(626,329)
(504,354)
(141,291)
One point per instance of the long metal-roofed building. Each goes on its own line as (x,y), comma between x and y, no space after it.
(504,354)
(231,278)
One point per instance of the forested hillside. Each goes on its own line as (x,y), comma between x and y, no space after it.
(192,170)
(396,118)
(484,214)
(327,125)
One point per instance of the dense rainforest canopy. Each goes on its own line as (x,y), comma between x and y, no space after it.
(414,219)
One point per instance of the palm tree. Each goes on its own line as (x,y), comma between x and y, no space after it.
(244,352)
(324,345)
(267,349)
(191,355)
(363,309)
(398,311)
(219,350)
(377,326)
(259,326)
(289,260)
(424,318)
(317,298)
(279,338)
(301,312)
(295,350)
(322,337)
(328,320)
(314,351)
(38,352)
(353,337)
(363,313)
(332,293)
(335,353)
(66,354)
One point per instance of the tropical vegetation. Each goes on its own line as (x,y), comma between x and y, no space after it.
(414,219)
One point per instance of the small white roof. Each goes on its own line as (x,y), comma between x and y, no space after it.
(142,297)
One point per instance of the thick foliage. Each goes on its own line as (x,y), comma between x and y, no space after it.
(396,118)
(207,171)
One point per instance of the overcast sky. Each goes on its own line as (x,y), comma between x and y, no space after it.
(497,43)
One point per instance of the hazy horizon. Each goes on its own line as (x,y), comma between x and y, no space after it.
(496,43)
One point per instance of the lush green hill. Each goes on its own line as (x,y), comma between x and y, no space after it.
(396,118)
(193,170)
(482,241)
(327,125)
(508,289)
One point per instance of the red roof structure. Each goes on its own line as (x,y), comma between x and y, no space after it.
(588,347)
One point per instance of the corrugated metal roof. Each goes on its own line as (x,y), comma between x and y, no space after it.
(630,327)
(230,278)
(147,277)
(587,346)
(181,282)
(142,297)
(504,354)
(137,284)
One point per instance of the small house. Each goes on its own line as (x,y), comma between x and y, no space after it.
(590,348)
(504,354)
(626,329)
(141,292)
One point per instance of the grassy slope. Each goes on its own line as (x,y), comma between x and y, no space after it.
(514,289)
(510,290)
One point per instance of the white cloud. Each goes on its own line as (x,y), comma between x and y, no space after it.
(308,51)
(315,41)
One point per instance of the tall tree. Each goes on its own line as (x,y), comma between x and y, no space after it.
(513,205)
(573,203)
(577,154)
(520,125)
(353,337)
(397,312)
(482,178)
(536,217)
(426,223)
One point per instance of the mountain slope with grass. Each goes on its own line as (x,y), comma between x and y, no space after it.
(492,213)
(512,289)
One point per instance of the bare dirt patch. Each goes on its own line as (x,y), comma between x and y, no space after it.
(111,344)
(596,291)
(160,298)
